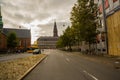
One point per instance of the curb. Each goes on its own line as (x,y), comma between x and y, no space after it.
(29,70)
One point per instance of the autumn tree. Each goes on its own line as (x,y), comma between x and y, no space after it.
(83,19)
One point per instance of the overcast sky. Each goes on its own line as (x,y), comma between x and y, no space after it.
(37,14)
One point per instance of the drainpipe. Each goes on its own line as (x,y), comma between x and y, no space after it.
(105,26)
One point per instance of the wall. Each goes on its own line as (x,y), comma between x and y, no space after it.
(3,41)
(113,25)
(24,42)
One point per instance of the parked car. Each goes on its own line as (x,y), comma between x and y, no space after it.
(36,51)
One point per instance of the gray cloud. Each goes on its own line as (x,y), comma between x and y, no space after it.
(21,12)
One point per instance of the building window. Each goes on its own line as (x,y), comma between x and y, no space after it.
(25,43)
(106,4)
(100,8)
(19,42)
(103,37)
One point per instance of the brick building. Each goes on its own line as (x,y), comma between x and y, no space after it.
(3,41)
(23,36)
(3,37)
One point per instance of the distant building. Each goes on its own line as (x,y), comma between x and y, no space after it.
(48,42)
(23,35)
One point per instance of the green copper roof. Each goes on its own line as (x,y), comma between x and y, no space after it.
(1,23)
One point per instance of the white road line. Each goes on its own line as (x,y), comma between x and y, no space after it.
(90,75)
(68,59)
(45,60)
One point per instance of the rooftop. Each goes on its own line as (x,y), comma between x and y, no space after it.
(21,33)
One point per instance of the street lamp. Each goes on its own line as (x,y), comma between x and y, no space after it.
(105,26)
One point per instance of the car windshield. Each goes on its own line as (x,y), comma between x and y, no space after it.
(36,50)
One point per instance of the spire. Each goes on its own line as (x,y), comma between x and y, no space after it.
(0,10)
(55,31)
(1,23)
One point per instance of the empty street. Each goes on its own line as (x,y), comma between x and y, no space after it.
(60,65)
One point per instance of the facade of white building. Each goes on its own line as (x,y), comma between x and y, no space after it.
(111,7)
(48,42)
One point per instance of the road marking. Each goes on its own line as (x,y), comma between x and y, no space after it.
(45,60)
(90,75)
(68,59)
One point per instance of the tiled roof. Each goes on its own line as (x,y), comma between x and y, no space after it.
(47,38)
(21,33)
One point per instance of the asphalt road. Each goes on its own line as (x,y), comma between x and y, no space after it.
(61,65)
(8,57)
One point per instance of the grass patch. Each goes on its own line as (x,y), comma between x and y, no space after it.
(14,69)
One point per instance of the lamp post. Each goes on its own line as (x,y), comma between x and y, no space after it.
(105,26)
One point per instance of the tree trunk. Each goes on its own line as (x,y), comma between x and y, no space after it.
(70,49)
(89,48)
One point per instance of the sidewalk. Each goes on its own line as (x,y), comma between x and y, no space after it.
(111,61)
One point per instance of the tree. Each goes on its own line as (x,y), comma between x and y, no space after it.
(67,39)
(83,19)
(0,37)
(12,40)
(60,42)
(70,38)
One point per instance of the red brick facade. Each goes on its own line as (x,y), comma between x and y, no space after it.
(24,42)
(23,36)
(3,41)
